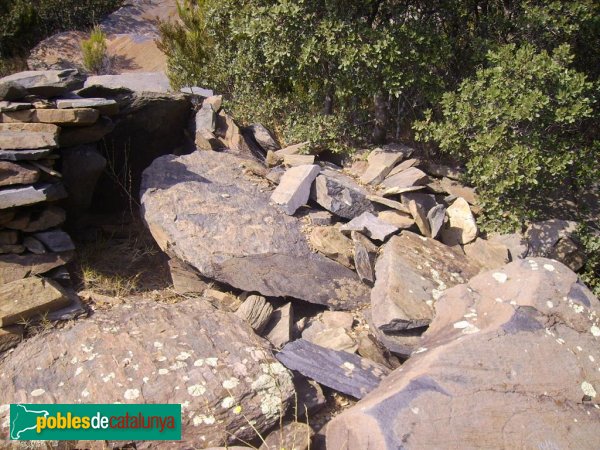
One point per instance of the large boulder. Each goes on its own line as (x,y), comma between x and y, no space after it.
(47,83)
(205,210)
(412,272)
(510,361)
(208,361)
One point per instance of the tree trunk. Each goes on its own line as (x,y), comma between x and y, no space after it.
(381,116)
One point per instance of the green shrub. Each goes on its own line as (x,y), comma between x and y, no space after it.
(94,51)
(590,240)
(522,128)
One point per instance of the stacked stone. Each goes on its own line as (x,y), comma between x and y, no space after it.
(39,117)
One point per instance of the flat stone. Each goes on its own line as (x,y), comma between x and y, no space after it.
(380,165)
(278,330)
(530,331)
(34,246)
(309,395)
(331,242)
(364,254)
(256,310)
(389,203)
(12,173)
(10,337)
(340,194)
(215,100)
(298,160)
(295,435)
(224,300)
(291,150)
(293,190)
(24,299)
(8,237)
(335,339)
(24,155)
(106,107)
(419,214)
(515,242)
(134,82)
(405,179)
(14,106)
(28,136)
(11,91)
(203,209)
(404,165)
(442,171)
(216,360)
(320,218)
(12,249)
(16,267)
(328,320)
(62,117)
(39,220)
(371,226)
(436,217)
(370,348)
(401,190)
(28,195)
(455,188)
(397,219)
(461,227)
(206,120)
(70,137)
(542,237)
(199,91)
(340,371)
(412,272)
(488,254)
(263,137)
(56,240)
(185,278)
(232,137)
(48,83)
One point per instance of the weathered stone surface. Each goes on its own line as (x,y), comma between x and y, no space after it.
(341,371)
(186,353)
(14,106)
(70,137)
(278,330)
(397,219)
(105,106)
(206,120)
(56,240)
(27,136)
(293,436)
(334,339)
(38,220)
(309,394)
(436,217)
(204,210)
(455,188)
(460,227)
(28,195)
(364,254)
(34,246)
(215,100)
(62,117)
(488,254)
(185,278)
(81,169)
(404,165)
(233,138)
(263,137)
(24,155)
(440,170)
(389,203)
(515,242)
(298,160)
(510,361)
(370,348)
(331,242)
(16,267)
(47,83)
(552,239)
(380,165)
(223,300)
(135,82)
(10,337)
(8,237)
(371,226)
(12,173)
(412,272)
(11,249)
(406,179)
(11,91)
(28,298)
(320,218)
(419,214)
(291,150)
(293,190)
(256,310)
(340,194)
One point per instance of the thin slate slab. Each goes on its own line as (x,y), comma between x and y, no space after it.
(24,155)
(340,194)
(293,190)
(28,195)
(371,226)
(56,240)
(341,371)
(380,165)
(48,83)
(16,267)
(28,136)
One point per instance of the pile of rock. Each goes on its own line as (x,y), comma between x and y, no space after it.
(43,131)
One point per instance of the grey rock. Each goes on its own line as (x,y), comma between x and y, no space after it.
(56,240)
(371,226)
(240,239)
(28,195)
(28,136)
(196,90)
(389,203)
(435,217)
(458,190)
(488,254)
(293,190)
(472,372)
(156,82)
(185,278)
(380,165)
(10,337)
(370,348)
(34,246)
(461,227)
(48,83)
(14,106)
(16,267)
(320,218)
(11,91)
(298,160)
(405,179)
(81,169)
(542,237)
(206,119)
(263,137)
(70,137)
(15,249)
(256,310)
(412,272)
(331,242)
(106,106)
(24,155)
(12,173)
(334,339)
(310,396)
(340,194)
(404,165)
(216,360)
(440,170)
(295,435)
(38,219)
(278,330)
(365,253)
(340,371)
(8,237)
(516,244)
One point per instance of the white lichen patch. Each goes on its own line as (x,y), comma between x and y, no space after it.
(461,325)
(178,365)
(500,277)
(274,380)
(78,371)
(183,356)
(211,362)
(85,393)
(348,365)
(591,358)
(499,300)
(227,402)
(161,358)
(163,371)
(74,360)
(549,304)
(420,350)
(199,362)
(549,267)
(37,392)
(87,349)
(196,390)
(231,383)
(131,394)
(108,377)
(158,344)
(588,389)
(595,331)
